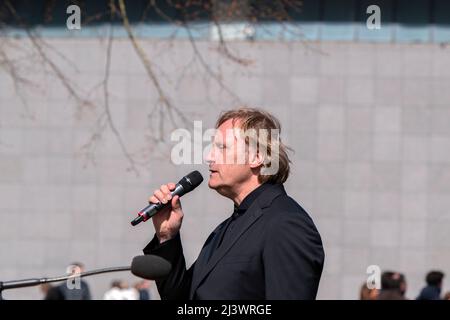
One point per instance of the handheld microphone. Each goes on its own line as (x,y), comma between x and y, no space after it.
(185,185)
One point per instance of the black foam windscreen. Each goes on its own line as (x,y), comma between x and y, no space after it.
(150,267)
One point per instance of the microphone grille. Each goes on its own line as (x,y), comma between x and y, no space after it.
(191,181)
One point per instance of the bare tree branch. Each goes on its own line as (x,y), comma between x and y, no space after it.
(223,49)
(192,10)
(163,98)
(207,68)
(108,110)
(18,80)
(37,44)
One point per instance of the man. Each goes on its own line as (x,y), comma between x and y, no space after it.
(142,288)
(72,292)
(120,290)
(368,294)
(50,292)
(268,249)
(393,286)
(432,291)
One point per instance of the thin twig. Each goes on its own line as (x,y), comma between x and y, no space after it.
(223,48)
(208,68)
(163,98)
(108,109)
(66,83)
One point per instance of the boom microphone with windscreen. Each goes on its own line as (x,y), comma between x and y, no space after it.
(150,267)
(185,185)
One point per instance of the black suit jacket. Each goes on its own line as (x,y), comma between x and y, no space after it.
(275,252)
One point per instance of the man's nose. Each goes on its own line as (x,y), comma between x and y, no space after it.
(209,158)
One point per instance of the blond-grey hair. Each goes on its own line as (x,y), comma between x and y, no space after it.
(256,119)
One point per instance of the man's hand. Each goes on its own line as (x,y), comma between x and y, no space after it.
(168,220)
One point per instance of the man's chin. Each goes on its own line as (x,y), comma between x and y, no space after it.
(214,182)
(212,185)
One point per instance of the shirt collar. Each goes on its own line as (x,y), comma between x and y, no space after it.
(249,199)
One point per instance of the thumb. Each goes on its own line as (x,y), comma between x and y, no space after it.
(176,204)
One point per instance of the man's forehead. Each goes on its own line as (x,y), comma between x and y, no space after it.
(228,130)
(230,124)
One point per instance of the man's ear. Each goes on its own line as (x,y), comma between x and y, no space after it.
(256,160)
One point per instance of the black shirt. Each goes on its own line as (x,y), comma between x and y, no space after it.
(248,200)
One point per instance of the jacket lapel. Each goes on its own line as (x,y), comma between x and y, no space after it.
(204,253)
(254,212)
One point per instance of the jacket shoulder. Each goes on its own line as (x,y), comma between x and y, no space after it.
(284,206)
(287,216)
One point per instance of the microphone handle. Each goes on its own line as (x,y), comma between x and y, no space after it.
(153,208)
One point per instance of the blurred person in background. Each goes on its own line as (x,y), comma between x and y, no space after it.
(368,294)
(73,293)
(432,291)
(115,292)
(393,286)
(50,292)
(120,291)
(142,288)
(446,296)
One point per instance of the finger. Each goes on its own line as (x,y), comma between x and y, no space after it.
(171,186)
(160,196)
(165,190)
(153,199)
(176,204)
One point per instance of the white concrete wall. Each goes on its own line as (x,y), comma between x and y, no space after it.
(369,123)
